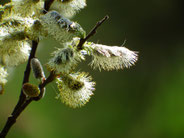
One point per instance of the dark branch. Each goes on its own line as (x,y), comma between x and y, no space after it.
(92,32)
(22,97)
(47,5)
(23,103)
(12,119)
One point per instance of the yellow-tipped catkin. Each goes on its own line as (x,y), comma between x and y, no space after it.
(59,28)
(75,89)
(31,90)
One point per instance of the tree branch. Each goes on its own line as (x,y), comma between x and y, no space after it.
(50,78)
(22,96)
(12,119)
(92,32)
(23,102)
(47,5)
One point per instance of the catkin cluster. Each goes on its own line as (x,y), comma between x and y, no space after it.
(24,21)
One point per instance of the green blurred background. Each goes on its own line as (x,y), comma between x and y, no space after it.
(145,101)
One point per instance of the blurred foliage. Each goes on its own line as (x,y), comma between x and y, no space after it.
(145,101)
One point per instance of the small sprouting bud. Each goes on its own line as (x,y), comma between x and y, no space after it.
(60,28)
(37,69)
(68,8)
(75,89)
(111,57)
(31,90)
(41,95)
(64,60)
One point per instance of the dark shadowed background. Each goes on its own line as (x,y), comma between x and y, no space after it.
(145,101)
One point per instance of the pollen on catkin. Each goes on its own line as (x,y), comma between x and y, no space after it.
(27,8)
(14,47)
(111,57)
(15,55)
(60,28)
(64,60)
(68,8)
(75,89)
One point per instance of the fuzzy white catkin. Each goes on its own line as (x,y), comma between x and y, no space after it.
(76,89)
(60,28)
(111,57)
(18,55)
(69,8)
(64,60)
(27,8)
(14,47)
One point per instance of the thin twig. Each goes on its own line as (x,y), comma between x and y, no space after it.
(92,32)
(47,5)
(50,78)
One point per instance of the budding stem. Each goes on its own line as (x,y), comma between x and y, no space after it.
(23,103)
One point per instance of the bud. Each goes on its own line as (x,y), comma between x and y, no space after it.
(37,69)
(31,90)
